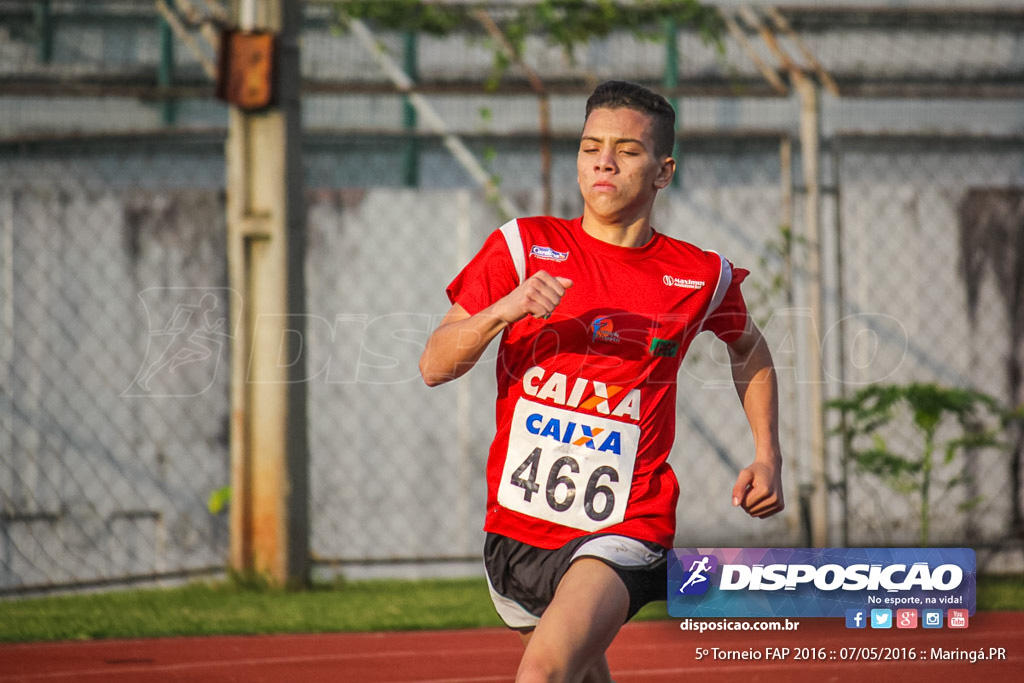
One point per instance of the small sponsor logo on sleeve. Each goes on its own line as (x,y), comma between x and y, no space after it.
(548,254)
(664,348)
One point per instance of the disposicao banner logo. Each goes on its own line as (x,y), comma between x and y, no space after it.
(817,582)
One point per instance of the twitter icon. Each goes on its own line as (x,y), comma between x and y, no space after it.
(881,618)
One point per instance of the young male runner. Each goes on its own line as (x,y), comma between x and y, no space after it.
(595,315)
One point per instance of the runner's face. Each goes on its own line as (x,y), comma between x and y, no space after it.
(616,167)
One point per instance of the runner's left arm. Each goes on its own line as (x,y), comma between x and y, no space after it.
(758,488)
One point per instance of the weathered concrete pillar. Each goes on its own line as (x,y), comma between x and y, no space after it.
(266,245)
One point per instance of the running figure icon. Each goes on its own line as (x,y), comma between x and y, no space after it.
(697,571)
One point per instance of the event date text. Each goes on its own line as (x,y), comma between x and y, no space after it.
(807,654)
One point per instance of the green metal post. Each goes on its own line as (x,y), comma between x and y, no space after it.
(44,32)
(411,151)
(165,70)
(671,82)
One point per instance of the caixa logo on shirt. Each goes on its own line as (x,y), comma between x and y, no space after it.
(582,393)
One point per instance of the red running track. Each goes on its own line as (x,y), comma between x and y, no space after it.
(650,652)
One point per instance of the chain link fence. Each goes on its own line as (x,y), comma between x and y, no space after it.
(931,274)
(117,316)
(116,330)
(114,421)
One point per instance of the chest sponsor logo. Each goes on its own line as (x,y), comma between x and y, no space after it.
(684,282)
(548,254)
(603,330)
(584,393)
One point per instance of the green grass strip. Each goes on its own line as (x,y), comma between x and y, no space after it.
(225,608)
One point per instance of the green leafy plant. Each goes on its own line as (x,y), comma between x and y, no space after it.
(564,23)
(933,410)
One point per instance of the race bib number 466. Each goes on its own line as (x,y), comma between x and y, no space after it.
(568,468)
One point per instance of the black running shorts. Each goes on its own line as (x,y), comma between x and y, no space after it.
(523,578)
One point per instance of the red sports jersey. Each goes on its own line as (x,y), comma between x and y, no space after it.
(586,399)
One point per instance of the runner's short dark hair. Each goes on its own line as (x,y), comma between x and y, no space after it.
(626,95)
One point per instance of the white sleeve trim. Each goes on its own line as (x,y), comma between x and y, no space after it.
(514,241)
(724,281)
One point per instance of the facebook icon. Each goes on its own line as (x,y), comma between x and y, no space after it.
(856,618)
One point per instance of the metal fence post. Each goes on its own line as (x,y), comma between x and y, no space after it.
(810,134)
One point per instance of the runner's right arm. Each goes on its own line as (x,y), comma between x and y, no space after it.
(459,341)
